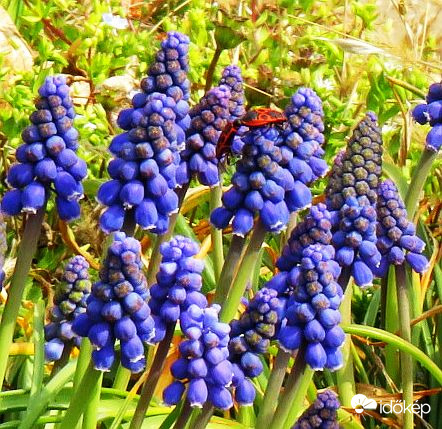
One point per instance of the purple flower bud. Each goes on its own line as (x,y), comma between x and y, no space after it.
(315,356)
(172,394)
(197,392)
(103,358)
(220,397)
(245,393)
(33,197)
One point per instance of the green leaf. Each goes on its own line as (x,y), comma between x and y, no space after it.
(227,38)
(395,174)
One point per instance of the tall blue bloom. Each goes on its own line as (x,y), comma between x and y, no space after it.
(275,168)
(396,235)
(250,337)
(203,363)
(3,249)
(208,119)
(147,156)
(431,113)
(69,301)
(312,314)
(231,77)
(302,145)
(351,197)
(47,159)
(178,284)
(117,308)
(322,414)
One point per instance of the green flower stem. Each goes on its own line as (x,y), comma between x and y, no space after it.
(183,418)
(211,69)
(406,361)
(46,395)
(39,350)
(228,271)
(82,396)
(204,418)
(420,175)
(91,412)
(400,343)
(291,401)
(345,376)
(155,257)
(273,389)
(152,380)
(217,234)
(243,274)
(83,361)
(246,416)
(122,378)
(391,325)
(358,363)
(26,251)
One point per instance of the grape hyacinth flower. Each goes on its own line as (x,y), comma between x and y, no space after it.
(351,197)
(302,144)
(208,119)
(117,308)
(69,301)
(431,113)
(143,170)
(312,316)
(47,159)
(203,363)
(231,77)
(178,284)
(322,414)
(3,249)
(250,337)
(396,235)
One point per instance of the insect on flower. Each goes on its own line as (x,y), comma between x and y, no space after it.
(252,119)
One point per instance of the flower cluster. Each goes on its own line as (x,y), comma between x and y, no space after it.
(431,112)
(314,229)
(396,235)
(231,77)
(48,157)
(303,138)
(208,119)
(117,308)
(259,185)
(250,336)
(3,249)
(352,195)
(203,360)
(143,170)
(69,301)
(312,317)
(321,414)
(147,155)
(178,284)
(275,168)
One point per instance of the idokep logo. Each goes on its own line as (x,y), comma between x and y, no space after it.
(360,403)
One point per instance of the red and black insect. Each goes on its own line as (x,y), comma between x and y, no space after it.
(252,119)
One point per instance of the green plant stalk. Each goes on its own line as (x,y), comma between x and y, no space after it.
(155,257)
(391,325)
(291,400)
(217,234)
(152,380)
(83,361)
(183,418)
(273,389)
(204,418)
(229,269)
(345,376)
(82,396)
(211,68)
(358,364)
(237,290)
(418,180)
(122,378)
(26,251)
(246,416)
(46,395)
(91,412)
(405,330)
(401,344)
(39,350)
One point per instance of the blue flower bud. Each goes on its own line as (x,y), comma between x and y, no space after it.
(315,356)
(220,397)
(104,358)
(172,394)
(197,392)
